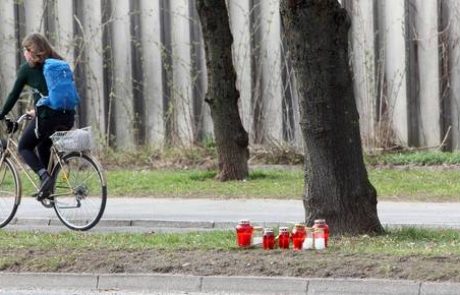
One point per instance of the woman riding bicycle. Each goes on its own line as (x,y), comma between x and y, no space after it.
(34,144)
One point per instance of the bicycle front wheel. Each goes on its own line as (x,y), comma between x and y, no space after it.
(10,191)
(80,191)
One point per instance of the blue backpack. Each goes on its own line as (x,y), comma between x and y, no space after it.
(62,92)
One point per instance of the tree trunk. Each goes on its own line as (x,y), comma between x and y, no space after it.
(336,182)
(451,11)
(122,92)
(271,85)
(240,20)
(427,46)
(362,44)
(396,96)
(34,16)
(222,97)
(7,49)
(64,29)
(152,63)
(90,70)
(181,99)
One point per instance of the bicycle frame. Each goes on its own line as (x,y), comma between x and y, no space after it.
(12,153)
(79,191)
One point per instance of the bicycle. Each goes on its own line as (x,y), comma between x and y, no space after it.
(79,192)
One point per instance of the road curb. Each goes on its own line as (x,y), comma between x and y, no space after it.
(150,223)
(189,225)
(245,285)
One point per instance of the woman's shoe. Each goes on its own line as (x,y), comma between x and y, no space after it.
(45,187)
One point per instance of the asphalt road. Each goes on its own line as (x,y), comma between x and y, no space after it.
(143,214)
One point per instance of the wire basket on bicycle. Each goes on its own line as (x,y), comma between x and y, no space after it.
(77,140)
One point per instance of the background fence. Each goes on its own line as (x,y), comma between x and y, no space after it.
(141,71)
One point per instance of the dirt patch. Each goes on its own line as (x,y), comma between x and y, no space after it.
(242,262)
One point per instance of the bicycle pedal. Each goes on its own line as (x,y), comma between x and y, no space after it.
(38,196)
(47,203)
(41,195)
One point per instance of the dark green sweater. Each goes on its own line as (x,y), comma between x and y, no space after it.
(34,78)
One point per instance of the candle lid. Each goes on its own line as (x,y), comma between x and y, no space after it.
(268,230)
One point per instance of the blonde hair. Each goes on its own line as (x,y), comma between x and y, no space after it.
(39,48)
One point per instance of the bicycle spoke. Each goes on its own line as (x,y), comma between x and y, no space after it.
(80,193)
(9,192)
(63,205)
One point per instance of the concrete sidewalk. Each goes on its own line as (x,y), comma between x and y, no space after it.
(168,284)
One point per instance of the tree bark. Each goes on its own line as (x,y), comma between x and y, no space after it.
(240,23)
(122,92)
(90,69)
(451,10)
(363,48)
(64,36)
(222,96)
(7,49)
(34,16)
(427,46)
(152,63)
(336,181)
(396,105)
(181,99)
(271,85)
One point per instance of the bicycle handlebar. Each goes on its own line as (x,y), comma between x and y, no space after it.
(23,117)
(12,125)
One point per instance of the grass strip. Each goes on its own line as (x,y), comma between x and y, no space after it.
(423,158)
(279,184)
(405,241)
(415,184)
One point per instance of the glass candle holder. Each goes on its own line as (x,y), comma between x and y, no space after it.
(244,231)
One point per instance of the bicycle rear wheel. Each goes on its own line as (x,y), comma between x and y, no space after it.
(80,191)
(10,191)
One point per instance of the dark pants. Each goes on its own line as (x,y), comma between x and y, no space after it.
(34,145)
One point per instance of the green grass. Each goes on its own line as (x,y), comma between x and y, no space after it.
(424,158)
(223,240)
(278,184)
(414,184)
(406,241)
